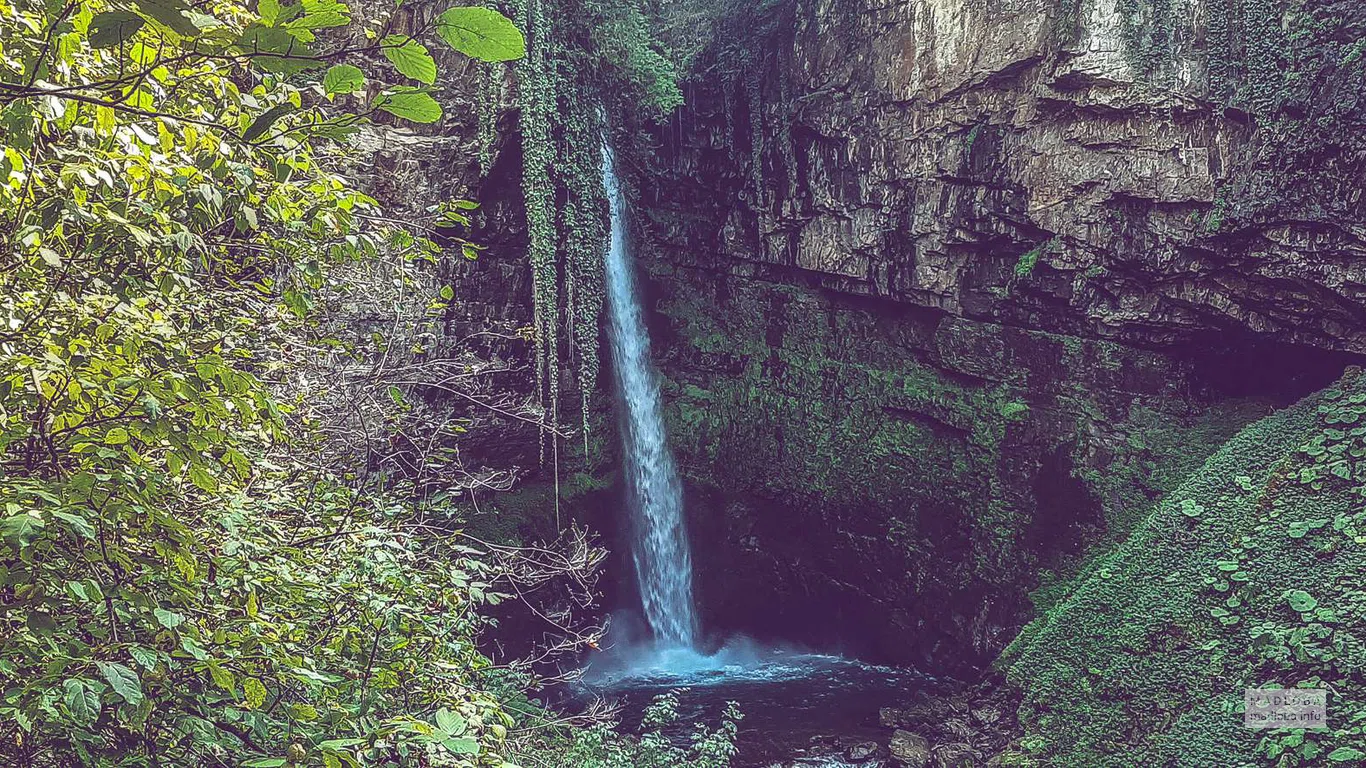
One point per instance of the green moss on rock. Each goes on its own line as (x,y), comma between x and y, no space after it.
(912,444)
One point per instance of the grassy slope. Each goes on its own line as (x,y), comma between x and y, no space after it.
(1145,663)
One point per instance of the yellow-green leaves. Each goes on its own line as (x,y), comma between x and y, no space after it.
(410,58)
(343,78)
(269,11)
(319,14)
(222,678)
(481,33)
(203,479)
(151,511)
(274,49)
(254,693)
(414,105)
(13,166)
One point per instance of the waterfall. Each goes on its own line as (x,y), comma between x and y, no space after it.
(659,547)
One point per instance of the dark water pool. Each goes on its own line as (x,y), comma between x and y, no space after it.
(802,708)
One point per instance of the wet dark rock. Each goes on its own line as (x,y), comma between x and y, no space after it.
(962,727)
(863,751)
(910,749)
(986,714)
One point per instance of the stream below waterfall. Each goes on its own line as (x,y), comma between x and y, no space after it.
(799,709)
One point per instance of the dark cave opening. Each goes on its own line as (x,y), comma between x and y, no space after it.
(1067,515)
(1241,365)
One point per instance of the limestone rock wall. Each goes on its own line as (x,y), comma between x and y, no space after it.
(1144,170)
(891,481)
(949,292)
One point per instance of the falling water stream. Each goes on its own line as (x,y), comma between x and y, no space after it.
(802,706)
(660,547)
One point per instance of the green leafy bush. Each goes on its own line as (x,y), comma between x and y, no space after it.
(601,746)
(180,583)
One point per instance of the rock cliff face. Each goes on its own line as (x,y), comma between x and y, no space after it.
(947,293)
(1141,170)
(950,290)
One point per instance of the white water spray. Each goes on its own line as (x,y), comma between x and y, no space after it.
(660,546)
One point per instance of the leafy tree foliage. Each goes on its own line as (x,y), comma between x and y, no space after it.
(179,586)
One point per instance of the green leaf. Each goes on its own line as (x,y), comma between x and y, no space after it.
(416,106)
(343,78)
(410,57)
(263,123)
(145,657)
(172,13)
(273,49)
(462,746)
(201,478)
(111,28)
(139,714)
(193,648)
(223,678)
(116,436)
(123,680)
(481,33)
(81,702)
(269,11)
(447,292)
(168,619)
(450,722)
(78,524)
(321,14)
(265,762)
(1301,601)
(239,462)
(1343,754)
(21,529)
